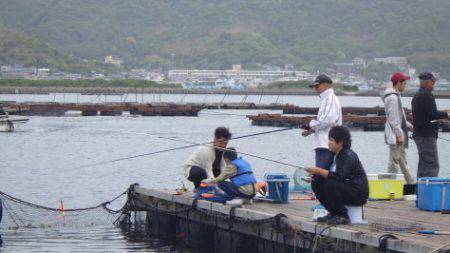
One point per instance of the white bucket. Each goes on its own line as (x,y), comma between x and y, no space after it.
(319,212)
(355,213)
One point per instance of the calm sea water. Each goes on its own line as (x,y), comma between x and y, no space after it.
(53,158)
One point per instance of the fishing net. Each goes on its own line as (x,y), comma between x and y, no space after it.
(300,183)
(394,225)
(18,213)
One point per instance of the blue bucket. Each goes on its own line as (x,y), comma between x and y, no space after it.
(433,194)
(277,187)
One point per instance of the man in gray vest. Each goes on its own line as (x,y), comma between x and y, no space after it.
(396,126)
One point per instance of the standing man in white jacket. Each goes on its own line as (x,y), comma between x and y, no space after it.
(329,115)
(396,126)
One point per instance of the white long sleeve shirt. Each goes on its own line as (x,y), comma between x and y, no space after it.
(329,115)
(204,158)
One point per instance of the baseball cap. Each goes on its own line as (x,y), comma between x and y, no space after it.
(399,76)
(427,76)
(321,79)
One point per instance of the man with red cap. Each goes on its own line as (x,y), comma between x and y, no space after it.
(396,126)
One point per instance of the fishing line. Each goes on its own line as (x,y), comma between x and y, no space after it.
(178,148)
(444,139)
(226,113)
(240,152)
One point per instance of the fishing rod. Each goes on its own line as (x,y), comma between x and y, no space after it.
(440,121)
(179,148)
(412,138)
(240,152)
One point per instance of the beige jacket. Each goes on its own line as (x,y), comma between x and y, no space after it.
(203,157)
(394,116)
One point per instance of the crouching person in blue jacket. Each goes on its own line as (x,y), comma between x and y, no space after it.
(343,182)
(241,186)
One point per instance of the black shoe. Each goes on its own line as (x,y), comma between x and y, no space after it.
(338,220)
(324,218)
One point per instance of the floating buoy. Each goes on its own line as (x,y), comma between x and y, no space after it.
(63,213)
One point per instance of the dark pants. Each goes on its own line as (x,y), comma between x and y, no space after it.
(1,216)
(324,157)
(334,195)
(428,157)
(231,190)
(196,175)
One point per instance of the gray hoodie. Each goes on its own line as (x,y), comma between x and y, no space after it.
(394,116)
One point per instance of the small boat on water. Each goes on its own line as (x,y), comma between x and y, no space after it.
(7,123)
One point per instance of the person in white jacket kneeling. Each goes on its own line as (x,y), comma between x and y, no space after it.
(207,161)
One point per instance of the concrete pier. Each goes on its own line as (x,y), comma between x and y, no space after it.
(268,227)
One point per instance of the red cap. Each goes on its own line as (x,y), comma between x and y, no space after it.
(399,76)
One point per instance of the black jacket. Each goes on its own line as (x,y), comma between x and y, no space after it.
(424,111)
(350,170)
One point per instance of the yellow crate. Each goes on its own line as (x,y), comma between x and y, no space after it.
(385,186)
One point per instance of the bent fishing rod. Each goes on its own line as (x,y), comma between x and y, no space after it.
(182,147)
(435,121)
(240,152)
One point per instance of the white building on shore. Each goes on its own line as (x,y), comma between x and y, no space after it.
(182,75)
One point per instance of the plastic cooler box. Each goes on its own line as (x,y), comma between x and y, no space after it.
(386,186)
(277,187)
(433,194)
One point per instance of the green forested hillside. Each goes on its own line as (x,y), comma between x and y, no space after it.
(16,47)
(216,34)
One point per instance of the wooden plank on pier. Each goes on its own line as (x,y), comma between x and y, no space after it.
(300,215)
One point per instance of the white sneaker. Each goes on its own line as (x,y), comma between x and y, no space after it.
(248,201)
(235,202)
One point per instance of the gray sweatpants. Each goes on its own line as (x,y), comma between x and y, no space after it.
(428,157)
(397,159)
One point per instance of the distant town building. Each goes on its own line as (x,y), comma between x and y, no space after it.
(5,68)
(344,68)
(43,73)
(18,71)
(271,68)
(242,76)
(392,60)
(114,60)
(237,68)
(358,61)
(289,67)
(400,62)
(98,76)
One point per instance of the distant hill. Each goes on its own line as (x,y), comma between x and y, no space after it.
(32,51)
(216,34)
(16,47)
